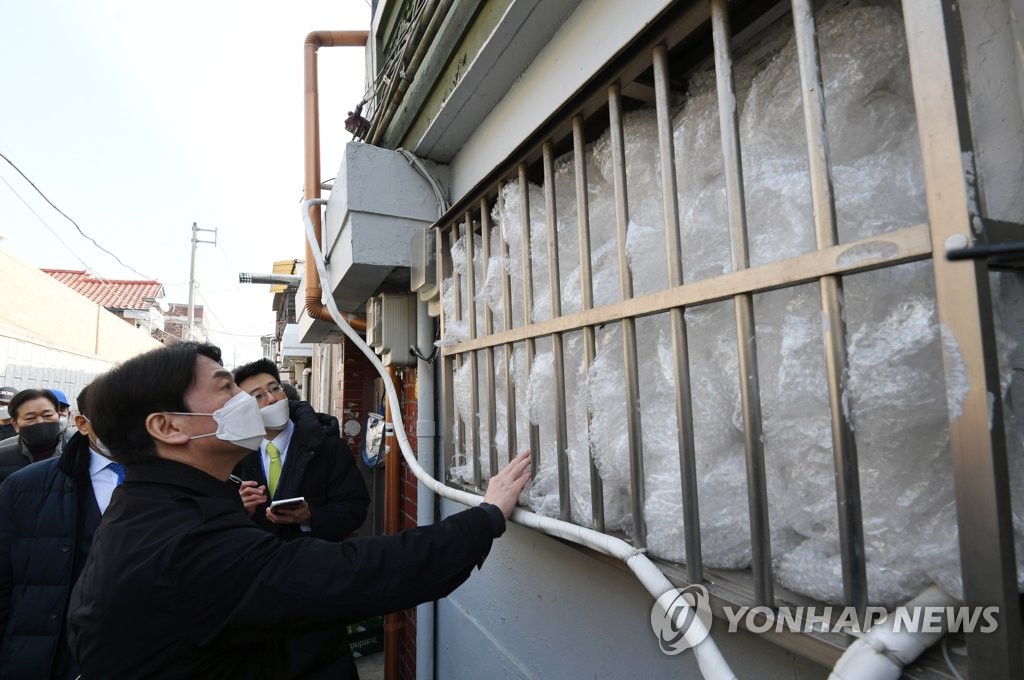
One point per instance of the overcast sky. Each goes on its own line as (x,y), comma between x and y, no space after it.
(139,118)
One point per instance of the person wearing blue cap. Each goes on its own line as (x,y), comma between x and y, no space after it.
(67,425)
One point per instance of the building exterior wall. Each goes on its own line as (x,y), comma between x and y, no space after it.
(52,337)
(540,609)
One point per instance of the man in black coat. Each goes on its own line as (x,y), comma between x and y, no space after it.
(311,462)
(302,456)
(181,584)
(34,415)
(48,513)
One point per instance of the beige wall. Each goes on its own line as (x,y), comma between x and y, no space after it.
(40,309)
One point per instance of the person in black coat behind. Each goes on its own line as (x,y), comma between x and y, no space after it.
(34,416)
(181,584)
(312,462)
(48,513)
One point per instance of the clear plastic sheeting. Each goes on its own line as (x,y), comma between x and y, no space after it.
(897,392)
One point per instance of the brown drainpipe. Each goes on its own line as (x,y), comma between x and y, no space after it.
(392,524)
(315,40)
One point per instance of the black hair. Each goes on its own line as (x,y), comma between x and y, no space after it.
(150,383)
(246,371)
(28,395)
(291,392)
(82,403)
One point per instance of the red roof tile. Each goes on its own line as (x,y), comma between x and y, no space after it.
(111,293)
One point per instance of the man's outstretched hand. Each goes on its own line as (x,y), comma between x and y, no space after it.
(504,488)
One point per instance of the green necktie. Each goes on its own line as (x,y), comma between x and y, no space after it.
(275,468)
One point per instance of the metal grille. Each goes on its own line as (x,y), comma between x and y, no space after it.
(963,301)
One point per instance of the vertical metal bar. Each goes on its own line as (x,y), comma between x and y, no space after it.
(506,304)
(980,475)
(444,264)
(492,414)
(757,491)
(531,345)
(680,346)
(461,358)
(557,350)
(844,446)
(474,372)
(636,445)
(587,289)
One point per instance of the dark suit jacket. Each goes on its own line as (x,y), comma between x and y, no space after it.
(48,514)
(181,584)
(319,466)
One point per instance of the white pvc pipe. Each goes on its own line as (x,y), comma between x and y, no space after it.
(709,658)
(882,653)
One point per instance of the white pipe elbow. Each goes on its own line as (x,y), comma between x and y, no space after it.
(884,652)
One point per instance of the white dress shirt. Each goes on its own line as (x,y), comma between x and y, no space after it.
(281,441)
(104,480)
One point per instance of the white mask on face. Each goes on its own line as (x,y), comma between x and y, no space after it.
(238,421)
(276,415)
(95,442)
(4,413)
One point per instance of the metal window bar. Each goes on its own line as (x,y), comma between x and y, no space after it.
(457,294)
(633,425)
(987,552)
(506,301)
(844,447)
(474,372)
(587,302)
(757,491)
(492,413)
(531,345)
(557,351)
(934,42)
(677,321)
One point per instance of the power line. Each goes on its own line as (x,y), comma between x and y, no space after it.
(43,222)
(45,198)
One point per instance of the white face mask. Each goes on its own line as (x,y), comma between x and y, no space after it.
(276,415)
(238,421)
(4,413)
(63,420)
(95,442)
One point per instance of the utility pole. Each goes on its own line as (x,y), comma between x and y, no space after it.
(192,278)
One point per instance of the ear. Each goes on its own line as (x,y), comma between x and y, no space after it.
(166,428)
(14,423)
(82,423)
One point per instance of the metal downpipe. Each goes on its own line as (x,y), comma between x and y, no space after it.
(311,143)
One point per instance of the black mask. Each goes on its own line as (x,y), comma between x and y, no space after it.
(40,436)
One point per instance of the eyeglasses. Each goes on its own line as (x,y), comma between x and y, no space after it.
(261,396)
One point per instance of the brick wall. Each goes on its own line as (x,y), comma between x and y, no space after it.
(353,391)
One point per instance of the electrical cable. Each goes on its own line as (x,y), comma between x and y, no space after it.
(43,222)
(68,218)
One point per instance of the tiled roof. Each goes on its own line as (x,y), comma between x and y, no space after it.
(111,293)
